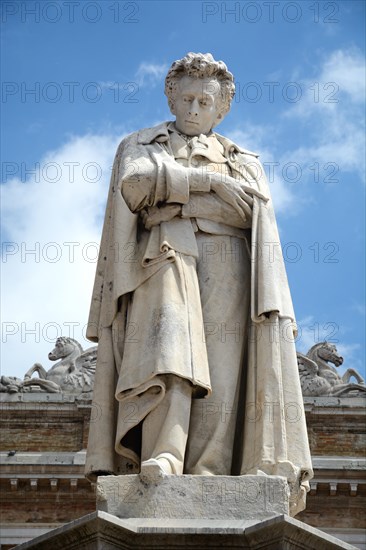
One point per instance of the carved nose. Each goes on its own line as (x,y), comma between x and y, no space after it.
(193,109)
(51,357)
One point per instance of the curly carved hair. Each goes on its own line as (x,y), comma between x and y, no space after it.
(200,65)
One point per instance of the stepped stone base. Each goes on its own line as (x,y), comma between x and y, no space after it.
(102,531)
(157,511)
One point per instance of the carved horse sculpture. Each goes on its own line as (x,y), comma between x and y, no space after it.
(74,373)
(319,377)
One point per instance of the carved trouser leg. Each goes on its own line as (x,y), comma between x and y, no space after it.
(165,429)
(224,278)
(166,342)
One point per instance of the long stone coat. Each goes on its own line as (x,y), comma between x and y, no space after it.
(272,419)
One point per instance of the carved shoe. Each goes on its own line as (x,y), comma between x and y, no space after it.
(155,469)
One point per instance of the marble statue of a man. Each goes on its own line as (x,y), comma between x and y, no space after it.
(197,370)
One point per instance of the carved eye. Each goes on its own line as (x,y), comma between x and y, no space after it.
(232,154)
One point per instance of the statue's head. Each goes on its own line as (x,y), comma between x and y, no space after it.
(199,91)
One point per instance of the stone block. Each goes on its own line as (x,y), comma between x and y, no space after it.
(193,497)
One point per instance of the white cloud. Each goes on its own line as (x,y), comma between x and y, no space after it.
(152,73)
(330,116)
(346,68)
(338,82)
(58,214)
(331,112)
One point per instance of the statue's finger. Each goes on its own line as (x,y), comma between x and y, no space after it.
(245,207)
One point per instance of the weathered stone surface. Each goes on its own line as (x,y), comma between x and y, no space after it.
(336,426)
(194,210)
(101,531)
(194,497)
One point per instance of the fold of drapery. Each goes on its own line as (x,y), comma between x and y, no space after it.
(275,440)
(275,445)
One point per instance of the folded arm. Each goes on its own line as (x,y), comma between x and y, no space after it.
(154,184)
(149,179)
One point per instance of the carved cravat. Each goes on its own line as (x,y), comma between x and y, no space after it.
(189,148)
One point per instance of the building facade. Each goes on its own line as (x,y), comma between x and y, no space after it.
(43,447)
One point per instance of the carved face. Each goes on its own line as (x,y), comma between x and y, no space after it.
(196,105)
(329,352)
(61,350)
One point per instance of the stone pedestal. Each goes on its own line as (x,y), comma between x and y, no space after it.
(189,497)
(197,512)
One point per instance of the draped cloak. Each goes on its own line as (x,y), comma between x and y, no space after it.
(271,418)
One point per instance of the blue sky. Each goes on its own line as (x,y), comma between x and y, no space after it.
(78,76)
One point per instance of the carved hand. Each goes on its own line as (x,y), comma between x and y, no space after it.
(229,190)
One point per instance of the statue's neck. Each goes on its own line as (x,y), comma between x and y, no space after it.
(188,138)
